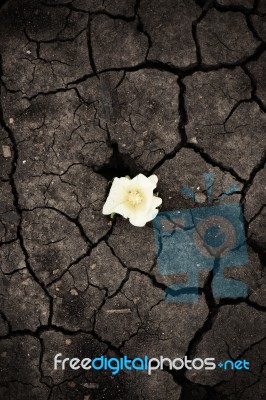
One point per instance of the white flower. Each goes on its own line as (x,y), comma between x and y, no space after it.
(133,199)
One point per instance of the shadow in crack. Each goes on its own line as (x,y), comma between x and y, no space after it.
(119,165)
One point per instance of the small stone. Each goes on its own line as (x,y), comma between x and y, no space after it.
(91,385)
(4,354)
(24,162)
(200,197)
(68,342)
(55,271)
(6,151)
(11,120)
(121,311)
(71,384)
(26,282)
(28,52)
(74,292)
(93,266)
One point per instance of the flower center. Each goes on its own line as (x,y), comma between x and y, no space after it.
(134,197)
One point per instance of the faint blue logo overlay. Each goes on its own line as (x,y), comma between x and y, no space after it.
(205,238)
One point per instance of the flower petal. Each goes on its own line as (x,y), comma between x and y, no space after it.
(156,201)
(154,180)
(124,210)
(144,182)
(116,195)
(140,219)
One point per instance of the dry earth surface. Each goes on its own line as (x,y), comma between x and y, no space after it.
(96,89)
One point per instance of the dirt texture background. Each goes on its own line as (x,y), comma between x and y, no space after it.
(94,89)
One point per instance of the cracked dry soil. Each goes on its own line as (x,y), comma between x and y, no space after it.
(94,89)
